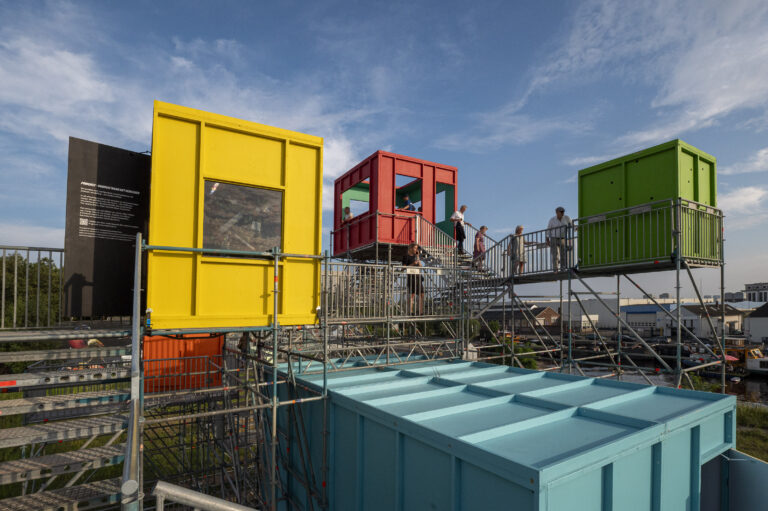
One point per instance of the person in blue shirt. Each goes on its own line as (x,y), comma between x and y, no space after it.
(407,204)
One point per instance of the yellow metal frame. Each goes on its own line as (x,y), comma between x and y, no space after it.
(193,290)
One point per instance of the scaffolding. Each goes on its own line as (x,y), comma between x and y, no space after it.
(232,425)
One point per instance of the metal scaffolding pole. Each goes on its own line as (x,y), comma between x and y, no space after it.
(678,249)
(512,328)
(273,432)
(570,324)
(618,324)
(722,313)
(562,323)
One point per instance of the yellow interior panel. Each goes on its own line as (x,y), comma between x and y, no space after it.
(191,290)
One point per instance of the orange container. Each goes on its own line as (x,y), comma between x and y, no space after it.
(178,363)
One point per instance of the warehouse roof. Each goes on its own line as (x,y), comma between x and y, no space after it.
(760,312)
(645,308)
(714,310)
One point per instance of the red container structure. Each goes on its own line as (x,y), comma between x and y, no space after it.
(179,363)
(375,191)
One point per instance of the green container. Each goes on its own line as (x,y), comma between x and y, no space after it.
(667,171)
(630,207)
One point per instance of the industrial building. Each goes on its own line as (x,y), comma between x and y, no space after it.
(757,292)
(756,325)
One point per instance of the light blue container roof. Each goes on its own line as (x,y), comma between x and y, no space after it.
(530,424)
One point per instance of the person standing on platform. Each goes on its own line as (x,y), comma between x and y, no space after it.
(517,251)
(478,253)
(557,238)
(347,215)
(414,281)
(458,224)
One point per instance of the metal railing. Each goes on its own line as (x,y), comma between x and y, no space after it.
(199,501)
(376,292)
(470,231)
(438,244)
(639,235)
(406,228)
(701,230)
(648,234)
(32,287)
(538,250)
(182,373)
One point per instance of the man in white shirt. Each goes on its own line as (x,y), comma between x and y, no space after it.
(458,222)
(558,232)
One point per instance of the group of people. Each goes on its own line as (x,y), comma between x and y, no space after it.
(556,240)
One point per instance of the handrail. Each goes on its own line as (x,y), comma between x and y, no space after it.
(497,260)
(32,249)
(167,491)
(429,236)
(222,251)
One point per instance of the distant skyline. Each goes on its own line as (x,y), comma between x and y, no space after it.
(518,96)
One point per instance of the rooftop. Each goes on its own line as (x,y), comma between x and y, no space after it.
(528,422)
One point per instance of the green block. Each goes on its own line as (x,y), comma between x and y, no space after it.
(628,208)
(667,171)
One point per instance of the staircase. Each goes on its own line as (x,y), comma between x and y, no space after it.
(62,427)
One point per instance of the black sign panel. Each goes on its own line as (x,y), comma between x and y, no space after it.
(107,204)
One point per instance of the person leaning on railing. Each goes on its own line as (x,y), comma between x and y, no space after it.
(347,215)
(557,236)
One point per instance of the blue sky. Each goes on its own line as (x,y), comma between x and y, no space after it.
(518,95)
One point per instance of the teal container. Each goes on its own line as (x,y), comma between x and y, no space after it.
(476,436)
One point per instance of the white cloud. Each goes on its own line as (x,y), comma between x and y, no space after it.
(757,163)
(710,74)
(742,200)
(53,87)
(701,74)
(587,161)
(31,235)
(745,207)
(496,129)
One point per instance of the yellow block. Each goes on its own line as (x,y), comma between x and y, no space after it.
(190,290)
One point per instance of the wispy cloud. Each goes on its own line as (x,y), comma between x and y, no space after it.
(757,163)
(586,161)
(53,85)
(745,207)
(31,235)
(708,75)
(495,129)
(701,76)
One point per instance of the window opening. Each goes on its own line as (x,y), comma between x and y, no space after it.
(357,198)
(239,217)
(407,193)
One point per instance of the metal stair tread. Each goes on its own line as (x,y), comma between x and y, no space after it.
(62,354)
(61,430)
(62,334)
(61,401)
(98,493)
(50,464)
(63,376)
